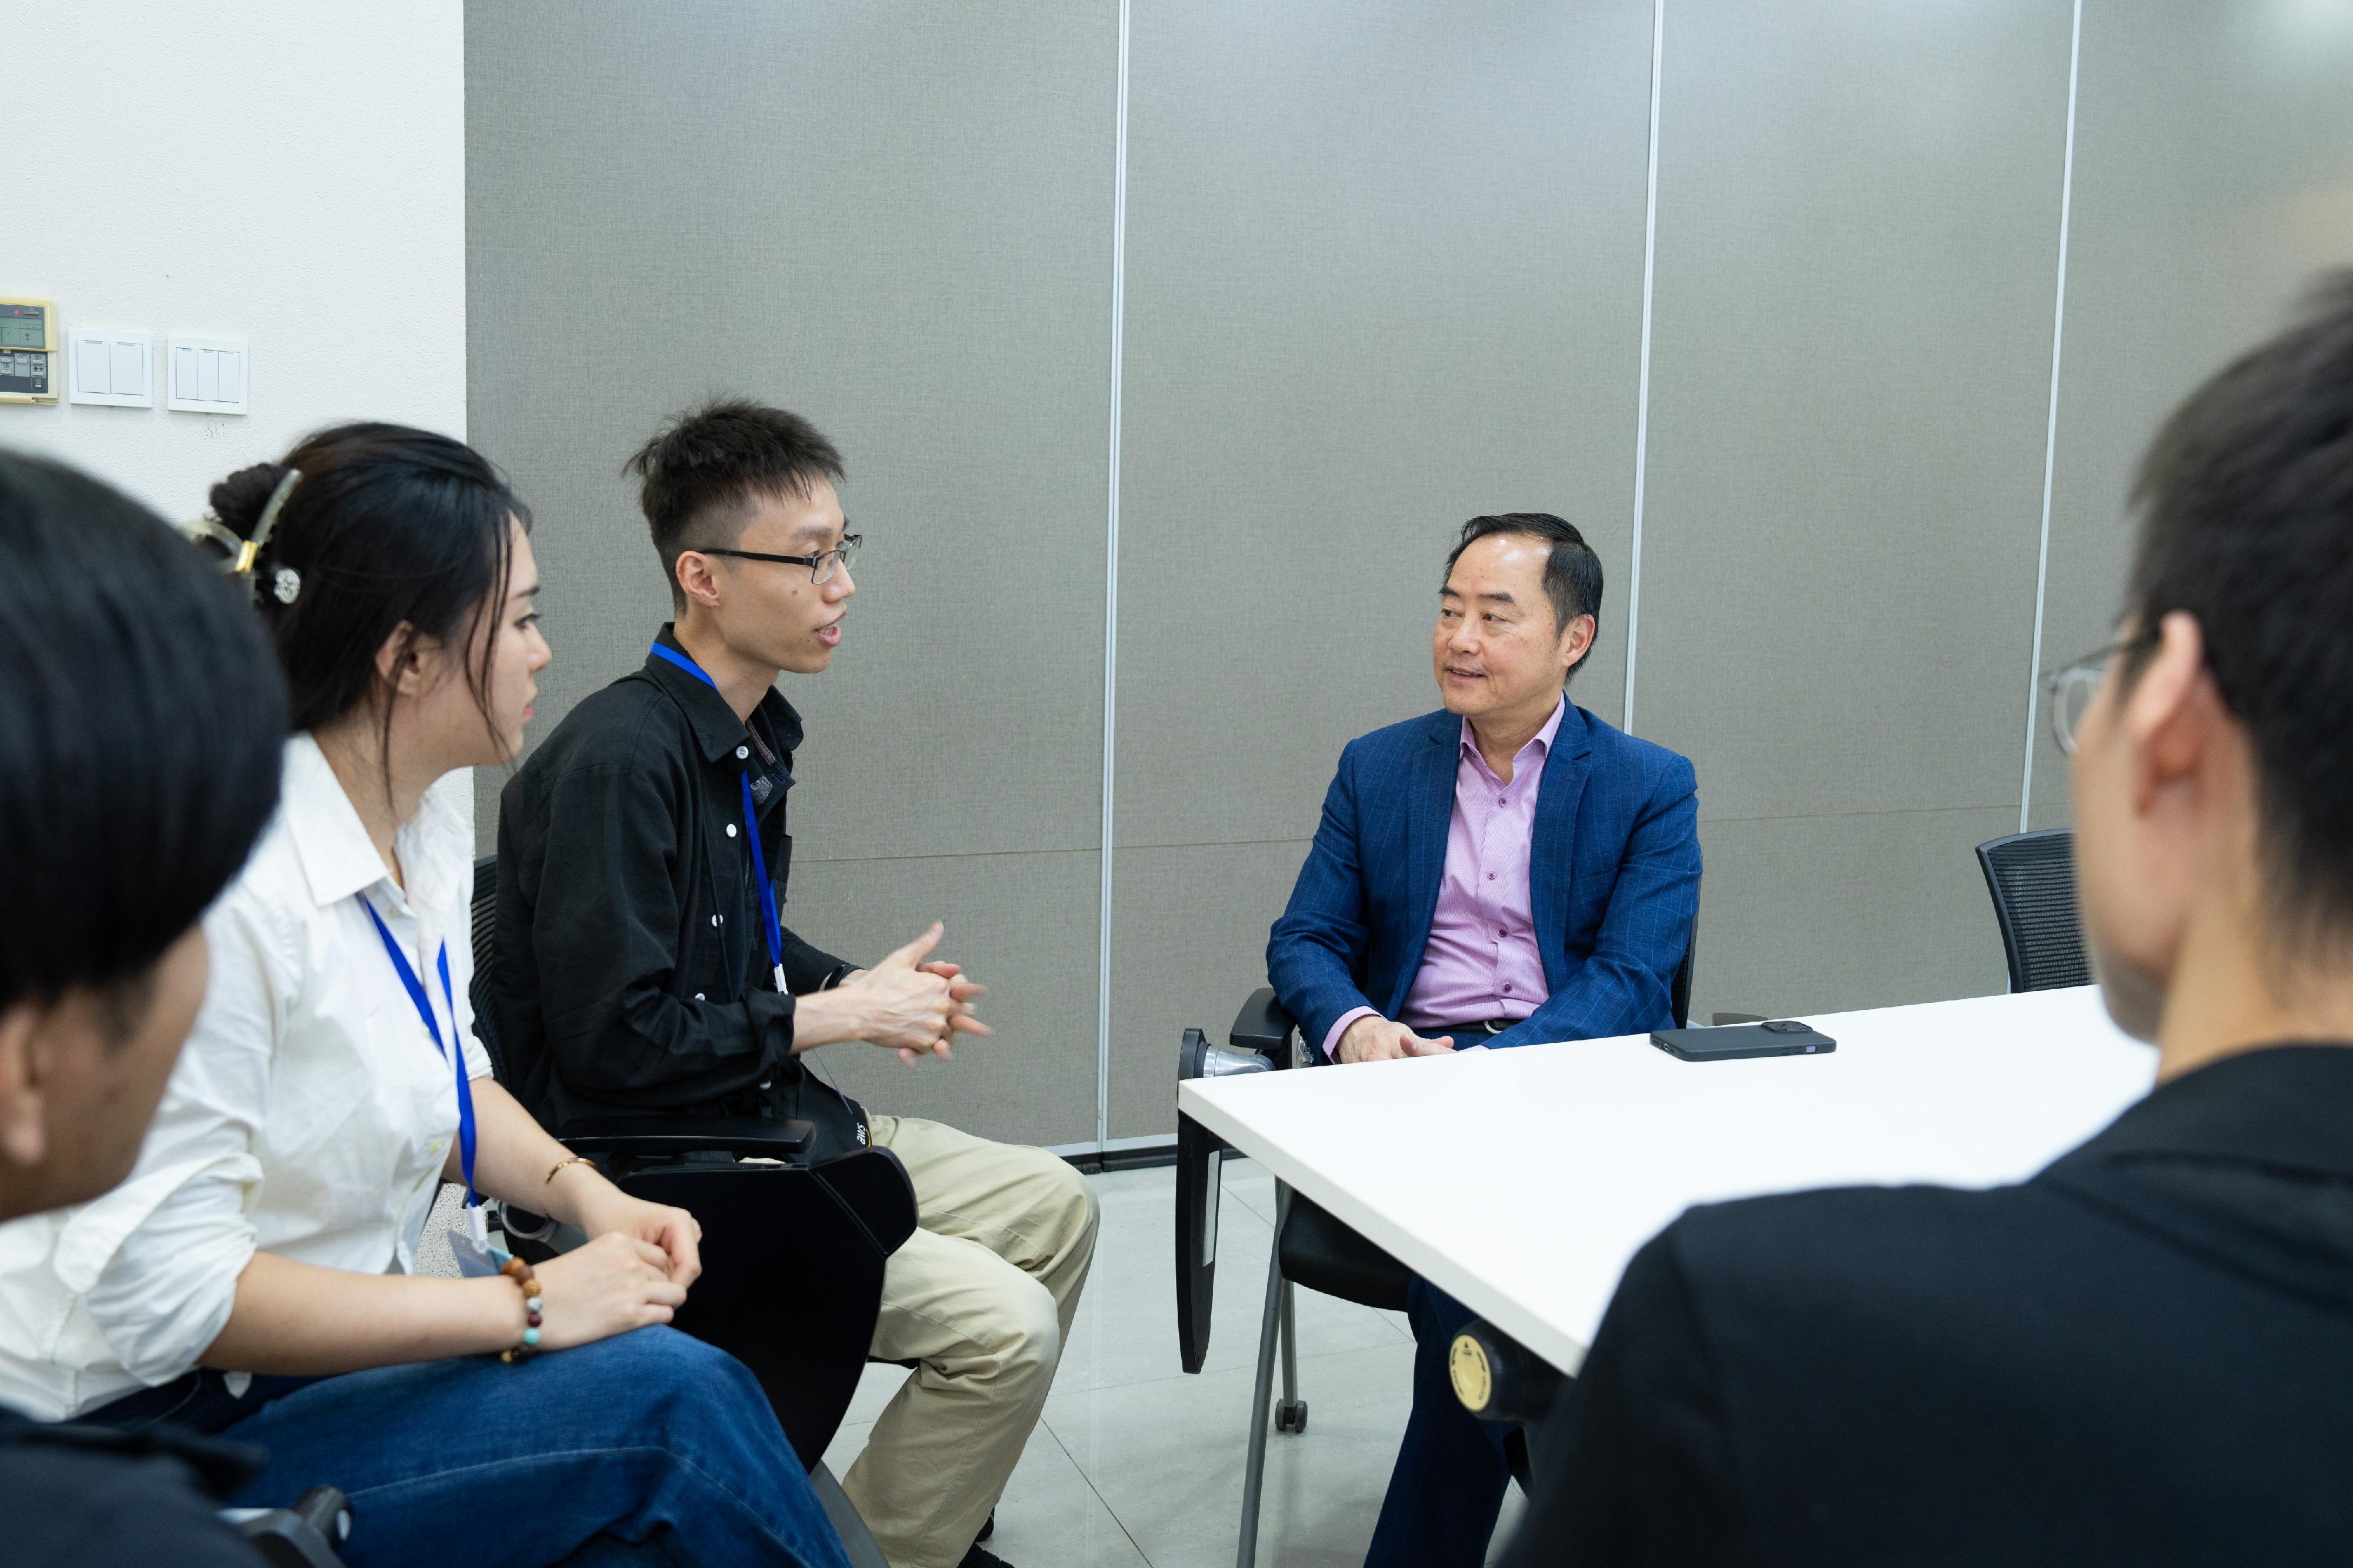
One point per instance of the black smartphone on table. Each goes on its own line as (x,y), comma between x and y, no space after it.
(1781,1037)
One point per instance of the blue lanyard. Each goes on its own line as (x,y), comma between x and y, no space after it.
(415,989)
(751,830)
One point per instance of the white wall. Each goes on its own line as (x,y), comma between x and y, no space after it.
(285,171)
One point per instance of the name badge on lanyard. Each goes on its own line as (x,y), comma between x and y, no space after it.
(773,922)
(477,1229)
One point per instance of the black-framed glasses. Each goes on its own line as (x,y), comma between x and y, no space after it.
(2069,693)
(822,565)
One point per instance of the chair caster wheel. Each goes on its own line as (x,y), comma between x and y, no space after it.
(1290,1415)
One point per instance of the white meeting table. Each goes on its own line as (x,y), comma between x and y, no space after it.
(1522,1182)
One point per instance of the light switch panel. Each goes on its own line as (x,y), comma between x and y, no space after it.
(209,375)
(115,366)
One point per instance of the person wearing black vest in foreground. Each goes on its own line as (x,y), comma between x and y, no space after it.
(140,717)
(2143,1354)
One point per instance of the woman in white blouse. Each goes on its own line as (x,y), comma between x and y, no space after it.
(253,1277)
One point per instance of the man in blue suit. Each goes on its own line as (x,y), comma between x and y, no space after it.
(1507,870)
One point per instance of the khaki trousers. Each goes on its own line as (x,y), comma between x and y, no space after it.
(981,1298)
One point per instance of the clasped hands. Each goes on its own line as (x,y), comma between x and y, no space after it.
(908,1002)
(634,1272)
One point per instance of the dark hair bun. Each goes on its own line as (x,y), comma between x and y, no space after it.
(239,499)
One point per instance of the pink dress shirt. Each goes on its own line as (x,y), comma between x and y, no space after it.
(1481,961)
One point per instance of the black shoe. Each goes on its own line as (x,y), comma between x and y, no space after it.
(981,1557)
(989,1527)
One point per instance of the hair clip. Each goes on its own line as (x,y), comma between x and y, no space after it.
(204,529)
(285,582)
(245,557)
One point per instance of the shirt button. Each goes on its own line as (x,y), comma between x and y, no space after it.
(1500,801)
(698,995)
(742,751)
(714,921)
(731,830)
(1490,875)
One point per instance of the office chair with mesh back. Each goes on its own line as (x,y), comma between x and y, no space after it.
(2032,876)
(1311,1246)
(793,1252)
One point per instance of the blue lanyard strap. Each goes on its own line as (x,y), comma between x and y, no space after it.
(424,1003)
(774,923)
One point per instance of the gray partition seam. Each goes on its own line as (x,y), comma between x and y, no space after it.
(1111,593)
(2051,436)
(1642,389)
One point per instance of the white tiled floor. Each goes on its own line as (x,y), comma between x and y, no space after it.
(1136,1463)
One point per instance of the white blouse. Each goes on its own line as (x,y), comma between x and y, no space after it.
(309,1115)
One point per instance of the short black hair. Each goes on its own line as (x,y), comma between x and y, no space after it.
(388,524)
(141,721)
(2245,501)
(704,470)
(1572,576)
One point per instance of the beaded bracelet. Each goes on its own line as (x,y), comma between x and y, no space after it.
(516,1270)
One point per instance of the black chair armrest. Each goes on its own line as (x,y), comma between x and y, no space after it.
(1262,1025)
(653,1136)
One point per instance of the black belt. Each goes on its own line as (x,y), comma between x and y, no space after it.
(1484,1026)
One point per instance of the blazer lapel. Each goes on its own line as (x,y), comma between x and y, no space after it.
(1430,811)
(1551,852)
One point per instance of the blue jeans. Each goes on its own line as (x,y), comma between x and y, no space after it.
(1450,1473)
(646,1447)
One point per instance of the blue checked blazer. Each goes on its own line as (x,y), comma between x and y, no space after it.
(1613,877)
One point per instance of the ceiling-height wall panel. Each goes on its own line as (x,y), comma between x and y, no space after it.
(1857,249)
(898,222)
(2213,180)
(1384,274)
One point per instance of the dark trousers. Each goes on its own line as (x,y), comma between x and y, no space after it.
(1450,1471)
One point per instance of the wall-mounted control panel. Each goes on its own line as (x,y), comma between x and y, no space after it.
(114,366)
(28,350)
(207,375)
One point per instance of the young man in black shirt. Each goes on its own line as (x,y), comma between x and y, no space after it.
(640,963)
(141,715)
(2143,1355)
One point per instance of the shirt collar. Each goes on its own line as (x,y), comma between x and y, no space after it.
(717,731)
(337,856)
(1542,740)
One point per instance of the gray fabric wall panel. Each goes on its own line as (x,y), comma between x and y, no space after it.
(1384,272)
(899,222)
(1190,943)
(1857,242)
(1812,914)
(896,221)
(1024,924)
(2213,179)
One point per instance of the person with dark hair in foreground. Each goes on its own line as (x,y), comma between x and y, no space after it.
(115,836)
(254,1276)
(642,964)
(2145,1353)
(1507,870)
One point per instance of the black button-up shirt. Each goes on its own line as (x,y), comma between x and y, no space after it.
(631,972)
